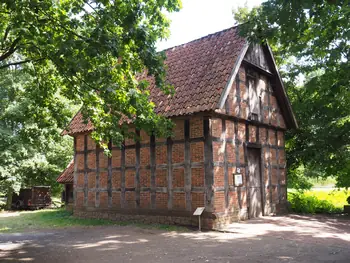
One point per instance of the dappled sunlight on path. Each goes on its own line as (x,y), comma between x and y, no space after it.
(268,239)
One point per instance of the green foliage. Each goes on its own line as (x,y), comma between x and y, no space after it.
(32,152)
(302,203)
(91,52)
(2,205)
(348,199)
(311,40)
(58,56)
(318,201)
(297,179)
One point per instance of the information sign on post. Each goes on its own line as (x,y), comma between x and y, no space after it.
(198,213)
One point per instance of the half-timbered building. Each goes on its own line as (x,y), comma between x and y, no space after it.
(227,153)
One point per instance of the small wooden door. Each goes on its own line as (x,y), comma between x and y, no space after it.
(254,183)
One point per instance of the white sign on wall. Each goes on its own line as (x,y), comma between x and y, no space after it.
(238,180)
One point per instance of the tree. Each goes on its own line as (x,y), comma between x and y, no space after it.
(311,39)
(32,152)
(56,54)
(96,49)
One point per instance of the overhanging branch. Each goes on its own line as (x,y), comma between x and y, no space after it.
(11,50)
(20,62)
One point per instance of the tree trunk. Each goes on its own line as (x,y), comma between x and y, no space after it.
(9,198)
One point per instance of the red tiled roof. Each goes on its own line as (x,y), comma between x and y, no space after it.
(77,125)
(198,70)
(67,176)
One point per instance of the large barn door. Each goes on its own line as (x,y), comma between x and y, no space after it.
(254,183)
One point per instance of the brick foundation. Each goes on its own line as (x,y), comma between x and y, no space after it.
(147,217)
(208,220)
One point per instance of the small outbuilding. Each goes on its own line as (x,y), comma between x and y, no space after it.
(67,178)
(227,154)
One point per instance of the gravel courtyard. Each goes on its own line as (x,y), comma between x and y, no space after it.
(270,239)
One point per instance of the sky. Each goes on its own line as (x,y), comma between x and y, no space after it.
(198,18)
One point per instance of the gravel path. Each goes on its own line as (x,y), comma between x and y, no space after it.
(270,239)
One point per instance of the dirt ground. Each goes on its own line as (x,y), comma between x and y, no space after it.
(269,239)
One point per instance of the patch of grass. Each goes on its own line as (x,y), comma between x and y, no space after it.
(318,201)
(44,219)
(60,218)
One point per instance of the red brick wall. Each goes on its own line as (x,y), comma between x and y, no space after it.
(131,185)
(229,154)
(79,142)
(230,137)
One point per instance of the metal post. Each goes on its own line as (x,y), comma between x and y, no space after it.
(199,219)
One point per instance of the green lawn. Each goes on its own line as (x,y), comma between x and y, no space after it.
(334,196)
(59,218)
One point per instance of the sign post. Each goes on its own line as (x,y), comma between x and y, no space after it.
(198,213)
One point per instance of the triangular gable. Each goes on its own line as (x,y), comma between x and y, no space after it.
(258,56)
(261,57)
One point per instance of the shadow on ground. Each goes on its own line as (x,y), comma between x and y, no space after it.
(269,239)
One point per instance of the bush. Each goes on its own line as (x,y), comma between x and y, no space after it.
(302,203)
(2,204)
(348,199)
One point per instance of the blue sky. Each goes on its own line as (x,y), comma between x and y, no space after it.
(199,18)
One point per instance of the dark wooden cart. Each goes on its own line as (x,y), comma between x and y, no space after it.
(32,198)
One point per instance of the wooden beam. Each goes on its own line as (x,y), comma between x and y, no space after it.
(208,165)
(245,150)
(238,96)
(278,169)
(239,192)
(153,170)
(109,176)
(122,163)
(257,68)
(75,172)
(85,171)
(237,119)
(137,173)
(170,172)
(97,183)
(187,165)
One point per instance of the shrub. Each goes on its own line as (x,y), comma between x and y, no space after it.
(348,199)
(301,203)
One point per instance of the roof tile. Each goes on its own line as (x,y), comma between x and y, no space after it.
(67,176)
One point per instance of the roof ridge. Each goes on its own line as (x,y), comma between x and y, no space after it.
(201,38)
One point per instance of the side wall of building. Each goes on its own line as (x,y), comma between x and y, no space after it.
(233,131)
(152,179)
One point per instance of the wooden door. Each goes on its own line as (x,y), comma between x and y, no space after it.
(254,183)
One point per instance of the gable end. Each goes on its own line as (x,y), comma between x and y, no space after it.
(260,57)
